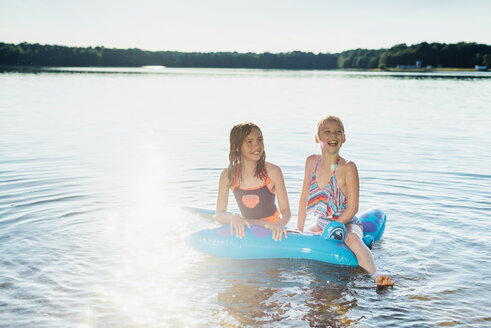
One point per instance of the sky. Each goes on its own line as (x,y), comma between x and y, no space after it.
(317,26)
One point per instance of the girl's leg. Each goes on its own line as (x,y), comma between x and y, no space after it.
(357,246)
(363,255)
(315,229)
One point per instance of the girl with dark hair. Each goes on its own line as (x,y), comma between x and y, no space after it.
(255,184)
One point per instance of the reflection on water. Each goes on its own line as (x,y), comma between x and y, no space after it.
(162,70)
(95,168)
(260,293)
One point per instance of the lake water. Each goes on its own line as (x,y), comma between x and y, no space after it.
(96,165)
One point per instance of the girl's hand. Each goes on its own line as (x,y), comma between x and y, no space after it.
(238,223)
(296,230)
(277,229)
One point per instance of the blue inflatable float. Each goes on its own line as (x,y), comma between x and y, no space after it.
(258,243)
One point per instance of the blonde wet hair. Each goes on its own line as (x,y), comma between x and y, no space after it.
(325,119)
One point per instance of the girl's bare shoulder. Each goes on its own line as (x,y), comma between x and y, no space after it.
(272,169)
(224,173)
(312,159)
(310,162)
(347,165)
(224,177)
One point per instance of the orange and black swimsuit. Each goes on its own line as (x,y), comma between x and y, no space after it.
(256,203)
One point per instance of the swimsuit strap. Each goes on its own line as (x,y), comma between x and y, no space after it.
(236,180)
(314,176)
(335,166)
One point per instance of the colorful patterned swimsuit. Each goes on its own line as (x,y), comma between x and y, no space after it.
(329,202)
(256,203)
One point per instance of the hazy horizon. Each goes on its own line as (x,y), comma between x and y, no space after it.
(253,26)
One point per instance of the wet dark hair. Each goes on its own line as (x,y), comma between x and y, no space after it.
(237,136)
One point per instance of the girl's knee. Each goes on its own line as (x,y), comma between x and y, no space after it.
(352,238)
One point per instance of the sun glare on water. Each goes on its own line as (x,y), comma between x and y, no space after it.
(154,67)
(147,242)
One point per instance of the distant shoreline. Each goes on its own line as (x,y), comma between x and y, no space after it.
(422,57)
(150,70)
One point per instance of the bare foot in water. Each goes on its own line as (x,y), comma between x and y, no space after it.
(384,281)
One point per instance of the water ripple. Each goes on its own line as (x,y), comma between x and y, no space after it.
(92,234)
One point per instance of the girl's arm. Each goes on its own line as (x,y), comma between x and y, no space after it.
(278,228)
(236,222)
(351,192)
(302,203)
(276,177)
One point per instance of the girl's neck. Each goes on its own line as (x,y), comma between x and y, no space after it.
(248,168)
(329,160)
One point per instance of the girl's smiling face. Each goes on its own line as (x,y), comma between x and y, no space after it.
(253,146)
(330,136)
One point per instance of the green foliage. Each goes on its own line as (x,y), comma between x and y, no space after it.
(359,58)
(458,55)
(462,55)
(487,60)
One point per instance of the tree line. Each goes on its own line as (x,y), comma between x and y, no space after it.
(457,55)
